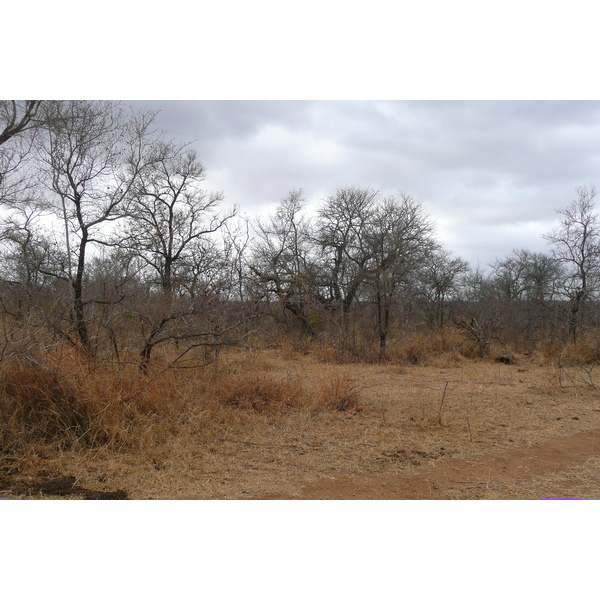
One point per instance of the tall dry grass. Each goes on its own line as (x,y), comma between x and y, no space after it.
(61,399)
(418,347)
(584,351)
(267,394)
(64,400)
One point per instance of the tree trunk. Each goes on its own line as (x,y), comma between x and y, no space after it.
(78,304)
(383,321)
(145,355)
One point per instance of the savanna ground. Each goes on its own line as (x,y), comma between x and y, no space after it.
(282,423)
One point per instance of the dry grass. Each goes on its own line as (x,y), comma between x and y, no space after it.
(585,351)
(267,394)
(62,400)
(446,346)
(578,482)
(426,348)
(261,422)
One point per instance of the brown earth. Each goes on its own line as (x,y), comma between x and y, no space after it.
(448,475)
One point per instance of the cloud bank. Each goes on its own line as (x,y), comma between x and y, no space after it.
(490,173)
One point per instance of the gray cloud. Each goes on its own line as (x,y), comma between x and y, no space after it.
(490,173)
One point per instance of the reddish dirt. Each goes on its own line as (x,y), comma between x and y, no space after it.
(447,476)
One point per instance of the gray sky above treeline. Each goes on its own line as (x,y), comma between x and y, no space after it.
(491,174)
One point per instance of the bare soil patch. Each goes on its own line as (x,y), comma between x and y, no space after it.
(452,478)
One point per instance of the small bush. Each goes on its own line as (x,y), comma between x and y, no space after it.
(268,395)
(421,347)
(327,351)
(339,393)
(262,394)
(42,401)
(549,349)
(586,351)
(71,404)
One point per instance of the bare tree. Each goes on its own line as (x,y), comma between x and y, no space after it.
(439,279)
(476,286)
(509,277)
(542,275)
(576,245)
(399,236)
(526,275)
(171,217)
(26,252)
(342,224)
(475,311)
(171,230)
(526,285)
(236,237)
(283,261)
(18,119)
(370,247)
(92,155)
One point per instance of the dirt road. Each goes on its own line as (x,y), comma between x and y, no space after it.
(448,477)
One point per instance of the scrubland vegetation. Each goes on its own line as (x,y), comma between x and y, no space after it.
(154,345)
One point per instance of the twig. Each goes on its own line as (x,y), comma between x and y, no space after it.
(270,445)
(469,415)
(442,405)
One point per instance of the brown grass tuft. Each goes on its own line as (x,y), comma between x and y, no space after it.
(586,351)
(258,393)
(338,393)
(266,394)
(67,402)
(42,401)
(428,348)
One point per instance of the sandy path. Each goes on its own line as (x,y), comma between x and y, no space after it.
(446,476)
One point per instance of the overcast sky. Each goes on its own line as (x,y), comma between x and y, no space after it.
(490,173)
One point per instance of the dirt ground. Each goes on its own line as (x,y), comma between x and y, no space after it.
(453,429)
(469,478)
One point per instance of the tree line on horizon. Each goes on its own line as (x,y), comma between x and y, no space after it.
(110,244)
